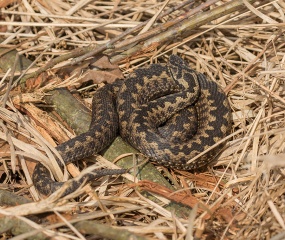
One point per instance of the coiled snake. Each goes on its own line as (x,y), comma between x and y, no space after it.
(168,112)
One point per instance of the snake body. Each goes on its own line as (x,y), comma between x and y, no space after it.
(168,112)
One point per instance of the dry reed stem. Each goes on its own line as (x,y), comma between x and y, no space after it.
(243,51)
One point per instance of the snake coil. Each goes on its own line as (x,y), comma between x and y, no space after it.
(168,112)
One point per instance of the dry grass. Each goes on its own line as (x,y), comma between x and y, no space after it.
(243,51)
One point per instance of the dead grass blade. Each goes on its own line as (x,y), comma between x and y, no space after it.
(238,44)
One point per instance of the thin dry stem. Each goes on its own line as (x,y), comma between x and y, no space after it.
(242,49)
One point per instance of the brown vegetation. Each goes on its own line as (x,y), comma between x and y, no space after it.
(50,44)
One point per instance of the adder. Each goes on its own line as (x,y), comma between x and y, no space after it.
(168,112)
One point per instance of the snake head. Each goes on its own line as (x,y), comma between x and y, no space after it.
(176,61)
(185,76)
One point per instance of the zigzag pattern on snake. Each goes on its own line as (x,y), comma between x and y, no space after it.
(168,112)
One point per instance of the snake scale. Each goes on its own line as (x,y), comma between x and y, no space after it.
(168,112)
